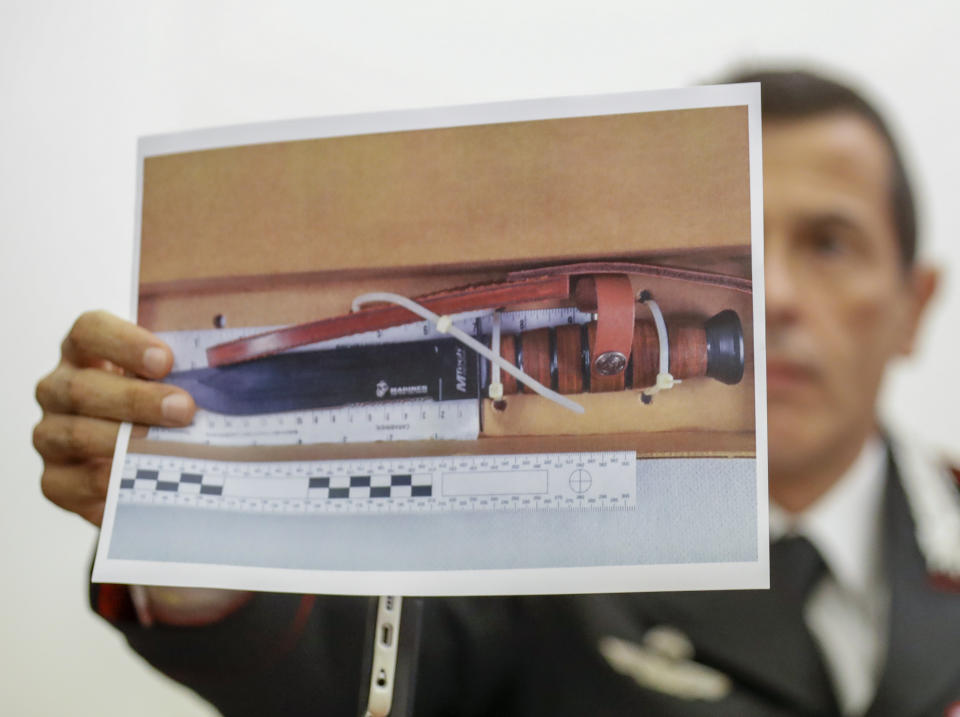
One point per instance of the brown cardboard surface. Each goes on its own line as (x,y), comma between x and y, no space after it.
(562,188)
(702,405)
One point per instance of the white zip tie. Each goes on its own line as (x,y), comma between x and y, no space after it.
(445,325)
(495,389)
(664,379)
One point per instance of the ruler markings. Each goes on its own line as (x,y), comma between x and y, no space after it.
(558,481)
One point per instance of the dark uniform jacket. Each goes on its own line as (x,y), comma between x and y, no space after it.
(532,656)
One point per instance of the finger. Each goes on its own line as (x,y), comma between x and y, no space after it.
(61,439)
(99,336)
(109,366)
(80,488)
(95,393)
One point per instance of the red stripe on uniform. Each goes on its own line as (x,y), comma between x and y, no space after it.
(945,583)
(298,624)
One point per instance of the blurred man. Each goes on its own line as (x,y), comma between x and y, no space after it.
(863,615)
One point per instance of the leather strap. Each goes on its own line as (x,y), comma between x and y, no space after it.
(611,296)
(546,284)
(726,281)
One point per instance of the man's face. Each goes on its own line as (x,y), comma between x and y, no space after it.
(839,302)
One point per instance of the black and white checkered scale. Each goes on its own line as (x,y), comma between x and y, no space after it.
(149,480)
(401,485)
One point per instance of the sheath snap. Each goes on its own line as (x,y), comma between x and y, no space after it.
(610,363)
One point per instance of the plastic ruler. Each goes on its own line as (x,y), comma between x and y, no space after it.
(399,420)
(544,481)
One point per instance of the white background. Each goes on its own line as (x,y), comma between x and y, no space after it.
(80,81)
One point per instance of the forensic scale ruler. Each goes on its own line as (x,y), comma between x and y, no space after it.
(544,481)
(358,423)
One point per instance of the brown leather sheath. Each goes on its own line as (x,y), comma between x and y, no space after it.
(547,284)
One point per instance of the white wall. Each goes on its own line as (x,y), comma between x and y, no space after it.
(80,81)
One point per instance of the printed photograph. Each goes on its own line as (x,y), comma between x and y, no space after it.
(499,338)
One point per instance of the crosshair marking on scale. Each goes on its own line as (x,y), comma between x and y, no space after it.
(580,481)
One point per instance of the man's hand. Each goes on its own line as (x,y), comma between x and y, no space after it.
(97,385)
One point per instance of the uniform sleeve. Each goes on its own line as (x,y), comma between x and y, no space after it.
(278,654)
